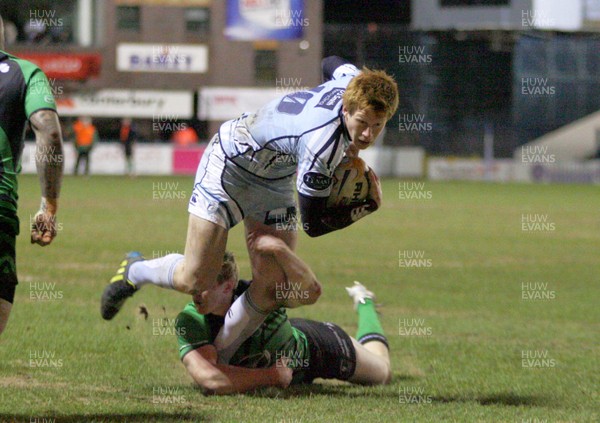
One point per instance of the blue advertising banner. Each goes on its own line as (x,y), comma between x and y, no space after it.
(249,20)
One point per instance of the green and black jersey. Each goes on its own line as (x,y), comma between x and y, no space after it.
(24,89)
(274,339)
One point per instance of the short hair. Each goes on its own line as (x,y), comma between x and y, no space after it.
(374,90)
(229,269)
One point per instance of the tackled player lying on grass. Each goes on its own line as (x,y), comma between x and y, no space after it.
(282,351)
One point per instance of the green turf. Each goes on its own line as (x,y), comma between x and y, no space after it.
(467,365)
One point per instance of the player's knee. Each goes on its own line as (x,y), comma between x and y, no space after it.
(387,375)
(2,325)
(5,308)
(384,375)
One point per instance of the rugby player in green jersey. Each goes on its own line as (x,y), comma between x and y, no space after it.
(25,95)
(282,351)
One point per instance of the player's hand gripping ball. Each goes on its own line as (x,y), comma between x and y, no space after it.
(351,184)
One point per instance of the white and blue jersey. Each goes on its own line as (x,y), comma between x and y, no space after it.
(249,167)
(300,132)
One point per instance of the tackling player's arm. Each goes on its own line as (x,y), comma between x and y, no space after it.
(219,379)
(296,270)
(318,219)
(49,163)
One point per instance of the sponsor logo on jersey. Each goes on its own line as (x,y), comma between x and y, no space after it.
(316,181)
(331,99)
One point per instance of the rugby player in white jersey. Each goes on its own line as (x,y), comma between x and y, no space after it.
(247,173)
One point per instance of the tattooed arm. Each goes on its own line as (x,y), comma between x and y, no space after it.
(49,159)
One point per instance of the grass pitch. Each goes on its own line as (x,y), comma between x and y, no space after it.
(490,300)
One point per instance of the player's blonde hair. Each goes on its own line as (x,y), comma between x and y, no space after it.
(229,269)
(374,90)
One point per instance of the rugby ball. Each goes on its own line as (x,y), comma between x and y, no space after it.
(350,183)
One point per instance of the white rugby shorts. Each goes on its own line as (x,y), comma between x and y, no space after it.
(224,193)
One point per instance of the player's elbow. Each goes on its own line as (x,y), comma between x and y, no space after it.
(312,233)
(214,386)
(313,293)
(312,209)
(46,126)
(313,230)
(50,135)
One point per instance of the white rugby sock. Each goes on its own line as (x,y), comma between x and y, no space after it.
(157,271)
(241,321)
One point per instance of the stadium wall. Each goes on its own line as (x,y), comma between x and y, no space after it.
(399,162)
(513,170)
(167,159)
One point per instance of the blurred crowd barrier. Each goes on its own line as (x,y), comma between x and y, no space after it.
(398,162)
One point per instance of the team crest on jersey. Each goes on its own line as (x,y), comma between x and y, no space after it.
(316,181)
(331,99)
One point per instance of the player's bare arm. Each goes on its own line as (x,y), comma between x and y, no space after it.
(49,163)
(218,379)
(295,270)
